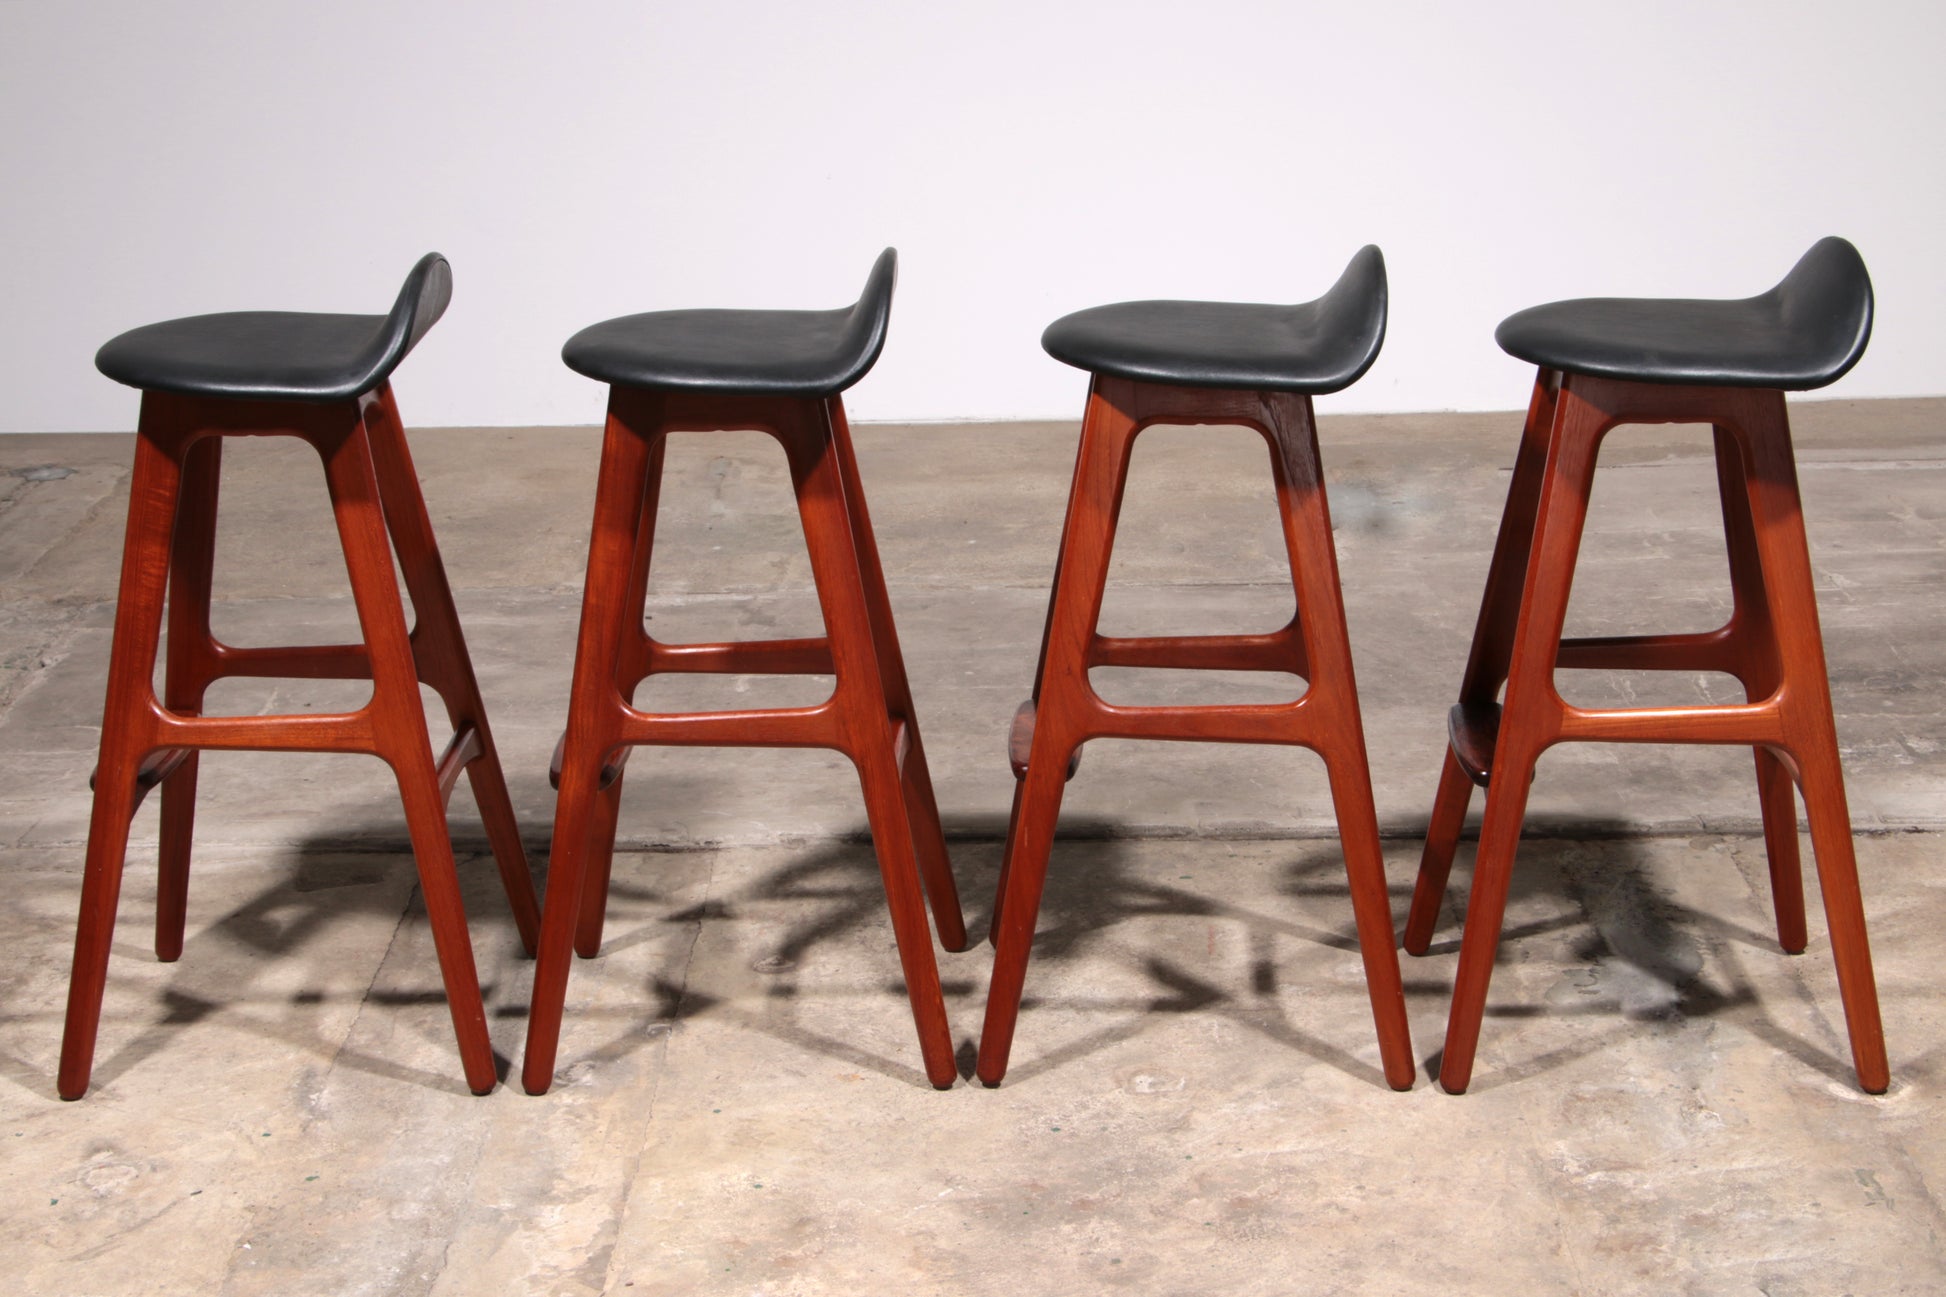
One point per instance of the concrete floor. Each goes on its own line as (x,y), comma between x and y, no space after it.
(1663,1101)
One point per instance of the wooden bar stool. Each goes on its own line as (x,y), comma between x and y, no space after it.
(778,372)
(1610,361)
(324,380)
(1201,363)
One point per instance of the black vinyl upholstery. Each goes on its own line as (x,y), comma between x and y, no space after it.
(281,355)
(1314,347)
(742,353)
(1804,333)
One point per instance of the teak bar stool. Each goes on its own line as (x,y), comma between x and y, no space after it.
(1201,363)
(778,372)
(321,379)
(1610,361)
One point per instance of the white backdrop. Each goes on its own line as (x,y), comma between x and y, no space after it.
(582,160)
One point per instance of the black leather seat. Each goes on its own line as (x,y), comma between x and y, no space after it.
(1314,347)
(742,353)
(281,355)
(1804,333)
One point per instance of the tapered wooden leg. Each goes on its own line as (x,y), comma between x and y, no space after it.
(1779,802)
(1030,840)
(153,494)
(1101,470)
(1075,500)
(398,724)
(1486,909)
(1371,905)
(439,648)
(1006,860)
(1299,477)
(1844,914)
(634,665)
(892,843)
(1760,668)
(633,420)
(1486,666)
(1527,721)
(1777,515)
(836,552)
(928,835)
(1436,861)
(600,848)
(187,672)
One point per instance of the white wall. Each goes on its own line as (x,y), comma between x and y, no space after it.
(577,161)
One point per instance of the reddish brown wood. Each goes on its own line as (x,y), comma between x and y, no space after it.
(189,668)
(1066,712)
(170,545)
(1770,643)
(869,715)
(440,657)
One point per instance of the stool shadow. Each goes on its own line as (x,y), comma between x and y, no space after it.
(1095,886)
(1635,953)
(837,882)
(323,885)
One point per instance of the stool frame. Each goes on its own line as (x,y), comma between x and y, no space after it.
(1065,711)
(869,716)
(148,742)
(1771,643)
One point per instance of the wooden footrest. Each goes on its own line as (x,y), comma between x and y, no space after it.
(462,752)
(1474,729)
(611,769)
(155,768)
(1020,742)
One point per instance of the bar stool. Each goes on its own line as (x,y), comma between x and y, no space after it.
(324,380)
(1610,361)
(1201,363)
(778,372)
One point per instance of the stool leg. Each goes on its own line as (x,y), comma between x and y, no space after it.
(153,494)
(634,659)
(633,422)
(187,672)
(1777,514)
(1313,557)
(1779,801)
(1030,840)
(1760,671)
(399,733)
(599,869)
(1006,859)
(1040,673)
(1436,860)
(1486,666)
(1101,469)
(1528,720)
(929,837)
(836,553)
(439,651)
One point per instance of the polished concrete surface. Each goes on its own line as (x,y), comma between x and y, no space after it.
(1663,1101)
